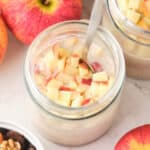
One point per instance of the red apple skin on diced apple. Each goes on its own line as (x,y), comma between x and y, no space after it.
(36,69)
(87,81)
(65,88)
(101,82)
(83,65)
(77,79)
(51,76)
(136,139)
(97,67)
(75,55)
(27,18)
(85,102)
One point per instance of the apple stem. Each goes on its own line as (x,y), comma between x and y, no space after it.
(46,2)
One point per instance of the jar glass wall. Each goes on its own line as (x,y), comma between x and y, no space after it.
(74,126)
(134,40)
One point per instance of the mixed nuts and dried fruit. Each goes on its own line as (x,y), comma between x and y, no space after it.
(11,140)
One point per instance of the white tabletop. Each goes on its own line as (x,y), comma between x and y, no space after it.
(134,107)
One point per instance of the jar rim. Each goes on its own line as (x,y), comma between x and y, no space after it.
(128,25)
(116,86)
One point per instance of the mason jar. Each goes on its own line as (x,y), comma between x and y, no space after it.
(134,40)
(66,125)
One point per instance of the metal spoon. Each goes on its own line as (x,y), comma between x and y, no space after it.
(95,20)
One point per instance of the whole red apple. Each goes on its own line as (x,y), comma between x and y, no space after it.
(136,139)
(3,39)
(27,18)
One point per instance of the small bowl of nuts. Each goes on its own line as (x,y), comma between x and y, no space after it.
(14,137)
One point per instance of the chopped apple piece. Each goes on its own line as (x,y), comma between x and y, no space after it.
(78,49)
(61,64)
(135,5)
(69,43)
(52,75)
(123,5)
(96,66)
(77,102)
(70,70)
(86,101)
(100,77)
(102,90)
(54,83)
(49,56)
(111,81)
(133,16)
(36,68)
(77,79)
(72,84)
(65,98)
(40,80)
(83,69)
(65,88)
(52,93)
(64,53)
(75,94)
(61,52)
(50,60)
(64,77)
(74,60)
(82,88)
(87,81)
(94,90)
(147,21)
(147,8)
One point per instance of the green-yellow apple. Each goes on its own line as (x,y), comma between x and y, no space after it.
(136,139)
(27,18)
(3,39)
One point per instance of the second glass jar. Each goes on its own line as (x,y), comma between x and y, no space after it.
(134,40)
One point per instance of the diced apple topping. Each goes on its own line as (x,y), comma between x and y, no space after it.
(61,64)
(135,5)
(86,81)
(65,97)
(86,101)
(54,83)
(147,21)
(69,43)
(137,11)
(100,77)
(74,60)
(96,66)
(52,93)
(66,79)
(83,69)
(77,102)
(123,4)
(133,16)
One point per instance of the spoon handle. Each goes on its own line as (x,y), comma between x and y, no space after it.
(95,19)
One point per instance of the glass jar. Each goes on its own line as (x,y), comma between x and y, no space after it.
(74,126)
(134,40)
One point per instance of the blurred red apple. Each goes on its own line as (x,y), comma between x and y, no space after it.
(27,18)
(3,40)
(136,139)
